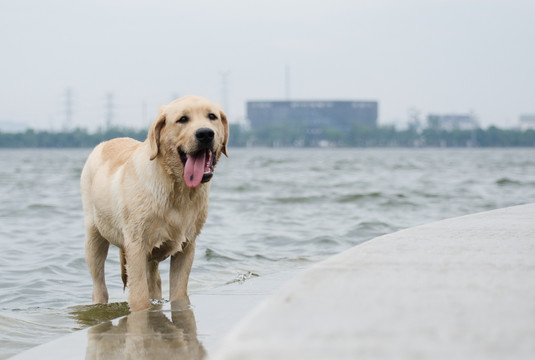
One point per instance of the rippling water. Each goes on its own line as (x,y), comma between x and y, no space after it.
(271,210)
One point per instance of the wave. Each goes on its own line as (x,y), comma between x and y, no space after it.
(504,181)
(366,230)
(359,196)
(242,277)
(211,254)
(298,199)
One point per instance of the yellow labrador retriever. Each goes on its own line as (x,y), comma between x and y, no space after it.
(150,198)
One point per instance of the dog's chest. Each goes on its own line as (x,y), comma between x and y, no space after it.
(172,231)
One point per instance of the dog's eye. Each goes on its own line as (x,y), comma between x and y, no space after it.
(212,116)
(183,120)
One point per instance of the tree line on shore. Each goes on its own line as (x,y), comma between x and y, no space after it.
(284,136)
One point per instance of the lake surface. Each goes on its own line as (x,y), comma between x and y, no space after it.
(271,210)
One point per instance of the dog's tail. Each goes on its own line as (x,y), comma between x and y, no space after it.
(124,275)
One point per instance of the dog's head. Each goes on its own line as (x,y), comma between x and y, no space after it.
(189,135)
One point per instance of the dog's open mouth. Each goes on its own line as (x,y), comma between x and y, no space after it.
(198,167)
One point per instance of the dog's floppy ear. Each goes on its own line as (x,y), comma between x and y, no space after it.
(154,133)
(226,131)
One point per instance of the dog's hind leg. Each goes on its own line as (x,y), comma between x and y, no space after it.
(154,281)
(96,251)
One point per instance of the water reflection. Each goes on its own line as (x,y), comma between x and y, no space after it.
(90,315)
(148,334)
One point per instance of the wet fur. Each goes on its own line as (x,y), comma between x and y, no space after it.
(134,197)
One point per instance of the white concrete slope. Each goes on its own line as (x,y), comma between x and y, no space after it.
(461,288)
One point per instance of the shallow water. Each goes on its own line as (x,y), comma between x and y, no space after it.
(271,210)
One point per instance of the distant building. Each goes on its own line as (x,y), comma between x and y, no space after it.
(527,122)
(451,122)
(341,115)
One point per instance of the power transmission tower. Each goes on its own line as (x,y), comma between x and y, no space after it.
(144,118)
(68,108)
(224,90)
(109,110)
(287,82)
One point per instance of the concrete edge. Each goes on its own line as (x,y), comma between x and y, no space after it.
(301,319)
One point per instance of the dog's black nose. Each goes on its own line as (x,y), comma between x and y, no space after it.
(205,135)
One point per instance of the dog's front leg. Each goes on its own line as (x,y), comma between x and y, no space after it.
(136,269)
(181,263)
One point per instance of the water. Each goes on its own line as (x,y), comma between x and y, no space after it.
(271,210)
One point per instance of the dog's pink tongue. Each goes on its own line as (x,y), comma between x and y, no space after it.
(194,169)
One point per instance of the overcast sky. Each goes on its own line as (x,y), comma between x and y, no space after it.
(448,56)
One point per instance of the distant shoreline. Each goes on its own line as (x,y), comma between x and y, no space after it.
(360,137)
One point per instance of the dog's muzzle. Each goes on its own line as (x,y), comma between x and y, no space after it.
(199,165)
(205,136)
